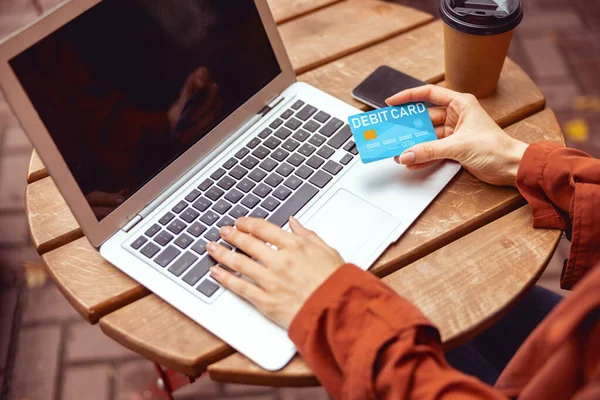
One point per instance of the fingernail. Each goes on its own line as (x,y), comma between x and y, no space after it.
(397,160)
(294,221)
(216,272)
(212,246)
(120,199)
(226,230)
(408,158)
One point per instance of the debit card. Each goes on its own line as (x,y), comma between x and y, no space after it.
(387,132)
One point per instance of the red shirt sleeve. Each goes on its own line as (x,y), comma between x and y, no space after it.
(562,185)
(363,341)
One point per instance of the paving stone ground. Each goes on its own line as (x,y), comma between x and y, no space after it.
(48,352)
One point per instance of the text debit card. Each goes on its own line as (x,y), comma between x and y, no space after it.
(387,132)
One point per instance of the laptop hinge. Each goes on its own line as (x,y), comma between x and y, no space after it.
(134,221)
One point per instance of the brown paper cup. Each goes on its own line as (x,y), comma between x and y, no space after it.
(474,62)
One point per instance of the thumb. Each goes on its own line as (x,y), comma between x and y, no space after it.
(428,151)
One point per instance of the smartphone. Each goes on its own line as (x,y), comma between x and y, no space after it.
(383,83)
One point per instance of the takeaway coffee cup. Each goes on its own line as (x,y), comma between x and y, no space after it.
(477,34)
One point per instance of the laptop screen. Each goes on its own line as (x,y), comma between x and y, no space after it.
(130,85)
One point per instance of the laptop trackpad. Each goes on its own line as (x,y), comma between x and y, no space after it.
(347,222)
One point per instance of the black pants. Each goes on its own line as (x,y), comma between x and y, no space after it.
(487,354)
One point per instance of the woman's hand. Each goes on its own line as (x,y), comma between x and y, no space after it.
(285,277)
(466,134)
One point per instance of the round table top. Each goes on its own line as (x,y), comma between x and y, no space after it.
(464,262)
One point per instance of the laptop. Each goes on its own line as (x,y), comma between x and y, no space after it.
(162,121)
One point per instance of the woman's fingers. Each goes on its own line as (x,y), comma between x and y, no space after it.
(431,93)
(237,262)
(249,244)
(437,115)
(266,231)
(237,285)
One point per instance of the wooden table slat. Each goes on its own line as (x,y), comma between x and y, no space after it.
(473,280)
(37,169)
(285,10)
(450,217)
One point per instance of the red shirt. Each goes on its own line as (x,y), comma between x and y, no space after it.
(364,341)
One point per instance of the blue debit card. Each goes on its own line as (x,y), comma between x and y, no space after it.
(387,132)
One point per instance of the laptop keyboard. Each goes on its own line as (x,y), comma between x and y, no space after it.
(273,177)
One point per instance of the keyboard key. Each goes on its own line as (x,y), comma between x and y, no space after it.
(306,112)
(238,212)
(221,207)
(283,133)
(167,255)
(214,193)
(189,215)
(229,163)
(273,180)
(290,145)
(340,138)
(179,207)
(207,288)
(249,162)
(225,221)
(176,226)
(183,263)
(217,174)
(163,238)
(301,135)
(205,184)
(272,142)
(259,213)
(137,243)
(225,244)
(209,218)
(276,123)
(331,127)
(184,241)
(262,190)
(234,195)
(200,246)
(315,162)
(152,230)
(282,192)
(202,204)
(346,159)
(293,204)
(297,104)
(352,149)
(238,172)
(254,142)
(348,146)
(245,185)
(270,203)
(325,152)
(199,270)
(304,172)
(212,235)
(263,134)
(250,201)
(284,169)
(150,250)
(320,179)
(280,154)
(287,113)
(257,175)
(296,159)
(293,182)
(196,229)
(260,152)
(226,183)
(306,149)
(166,218)
(332,167)
(322,116)
(268,164)
(241,153)
(293,124)
(317,140)
(193,195)
(311,126)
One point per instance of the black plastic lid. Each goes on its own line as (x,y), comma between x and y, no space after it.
(482,17)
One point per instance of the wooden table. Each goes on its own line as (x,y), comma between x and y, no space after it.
(470,256)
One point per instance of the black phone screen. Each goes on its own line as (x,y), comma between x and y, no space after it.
(383,83)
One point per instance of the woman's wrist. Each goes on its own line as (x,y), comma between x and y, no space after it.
(514,155)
